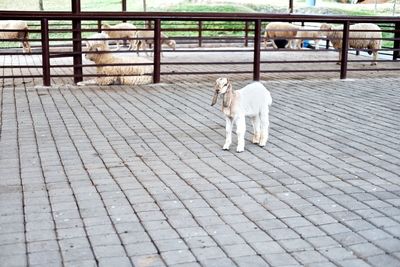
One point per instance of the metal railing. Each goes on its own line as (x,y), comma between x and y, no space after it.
(251,32)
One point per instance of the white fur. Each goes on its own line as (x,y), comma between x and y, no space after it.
(145,39)
(121,31)
(370,38)
(252,101)
(21,32)
(92,40)
(305,33)
(280,30)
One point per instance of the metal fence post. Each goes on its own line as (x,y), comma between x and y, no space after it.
(76,42)
(45,52)
(344,51)
(396,43)
(157,51)
(246,34)
(200,33)
(257,50)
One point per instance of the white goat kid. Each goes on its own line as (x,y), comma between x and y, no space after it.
(253,101)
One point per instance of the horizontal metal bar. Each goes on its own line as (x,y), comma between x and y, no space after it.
(61,15)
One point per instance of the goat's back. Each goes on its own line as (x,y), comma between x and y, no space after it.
(255,97)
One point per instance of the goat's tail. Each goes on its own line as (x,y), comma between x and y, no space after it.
(269,100)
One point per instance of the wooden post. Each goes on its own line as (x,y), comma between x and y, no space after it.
(290,6)
(157,51)
(246,34)
(200,33)
(396,43)
(76,42)
(344,51)
(45,52)
(257,50)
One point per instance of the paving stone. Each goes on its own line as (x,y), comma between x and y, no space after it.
(219,262)
(109,251)
(151,260)
(309,256)
(177,257)
(280,259)
(208,253)
(170,244)
(115,261)
(382,260)
(238,250)
(250,261)
(365,250)
(271,247)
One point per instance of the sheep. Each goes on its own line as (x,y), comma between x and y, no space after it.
(361,36)
(145,39)
(92,40)
(21,32)
(280,30)
(121,31)
(305,33)
(253,101)
(127,74)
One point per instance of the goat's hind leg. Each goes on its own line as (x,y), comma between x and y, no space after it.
(264,128)
(256,129)
(228,128)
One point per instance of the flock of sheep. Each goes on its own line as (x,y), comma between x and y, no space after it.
(361,36)
(136,70)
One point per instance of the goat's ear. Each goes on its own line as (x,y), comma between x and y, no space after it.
(214,99)
(227,99)
(229,86)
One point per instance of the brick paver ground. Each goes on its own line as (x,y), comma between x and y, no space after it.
(135,176)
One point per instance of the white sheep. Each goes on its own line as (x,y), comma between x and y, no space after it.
(98,37)
(145,39)
(280,30)
(305,33)
(361,36)
(253,101)
(21,32)
(130,73)
(120,32)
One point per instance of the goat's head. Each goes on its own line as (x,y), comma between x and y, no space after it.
(222,87)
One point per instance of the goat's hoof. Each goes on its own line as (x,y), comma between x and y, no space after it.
(225,148)
(238,150)
(256,140)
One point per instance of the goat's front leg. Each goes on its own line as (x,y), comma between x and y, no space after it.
(240,131)
(228,128)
